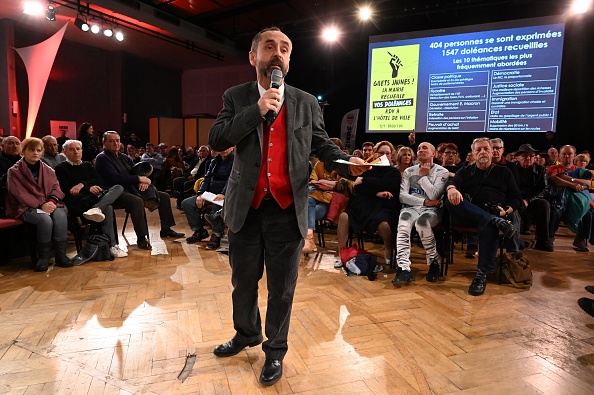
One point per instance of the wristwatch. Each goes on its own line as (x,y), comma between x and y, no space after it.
(573,179)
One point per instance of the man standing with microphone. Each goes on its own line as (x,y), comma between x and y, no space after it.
(273,129)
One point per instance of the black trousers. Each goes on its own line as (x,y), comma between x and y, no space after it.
(539,211)
(134,205)
(270,235)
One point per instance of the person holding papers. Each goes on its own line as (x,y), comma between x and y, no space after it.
(215,182)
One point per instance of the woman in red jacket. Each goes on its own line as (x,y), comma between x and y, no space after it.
(34,195)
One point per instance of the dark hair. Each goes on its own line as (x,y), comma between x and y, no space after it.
(172,152)
(445,146)
(83,129)
(367,143)
(336,141)
(256,38)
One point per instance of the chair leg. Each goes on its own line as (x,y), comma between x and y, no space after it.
(499,273)
(125,223)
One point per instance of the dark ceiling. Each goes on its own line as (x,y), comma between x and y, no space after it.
(193,34)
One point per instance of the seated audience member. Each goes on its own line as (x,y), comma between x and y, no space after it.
(115,168)
(554,156)
(87,194)
(51,157)
(543,159)
(173,167)
(1,144)
(468,161)
(532,185)
(404,159)
(90,145)
(449,158)
(190,155)
(132,152)
(367,149)
(572,208)
(358,153)
(582,161)
(134,141)
(514,244)
(62,139)
(155,159)
(163,148)
(322,182)
(11,148)
(196,170)
(215,181)
(34,195)
(421,190)
(374,203)
(478,186)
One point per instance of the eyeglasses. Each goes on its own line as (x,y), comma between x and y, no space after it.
(528,156)
(498,148)
(449,153)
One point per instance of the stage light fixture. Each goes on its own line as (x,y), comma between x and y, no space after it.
(330,34)
(119,35)
(95,25)
(50,13)
(107,30)
(364,13)
(81,23)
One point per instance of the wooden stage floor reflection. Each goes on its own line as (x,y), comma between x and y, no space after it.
(127,327)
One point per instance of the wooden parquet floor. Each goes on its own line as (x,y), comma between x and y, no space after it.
(127,326)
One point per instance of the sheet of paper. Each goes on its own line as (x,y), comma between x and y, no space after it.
(40,211)
(209,196)
(381,161)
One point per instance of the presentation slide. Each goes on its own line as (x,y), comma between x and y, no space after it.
(500,77)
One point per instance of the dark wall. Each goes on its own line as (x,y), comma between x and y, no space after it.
(88,84)
(339,73)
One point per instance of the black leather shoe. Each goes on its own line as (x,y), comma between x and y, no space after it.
(587,305)
(233,347)
(477,288)
(589,288)
(171,233)
(271,372)
(433,273)
(143,244)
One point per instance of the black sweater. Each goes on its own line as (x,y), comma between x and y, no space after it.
(496,185)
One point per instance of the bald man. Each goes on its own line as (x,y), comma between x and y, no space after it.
(421,189)
(51,157)
(11,153)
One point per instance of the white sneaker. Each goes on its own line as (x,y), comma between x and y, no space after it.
(338,263)
(95,214)
(117,252)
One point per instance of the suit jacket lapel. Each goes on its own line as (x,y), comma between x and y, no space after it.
(253,97)
(290,114)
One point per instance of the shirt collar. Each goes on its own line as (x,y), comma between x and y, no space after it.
(72,163)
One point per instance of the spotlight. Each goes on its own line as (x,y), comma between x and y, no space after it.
(95,25)
(32,8)
(581,6)
(107,30)
(119,35)
(50,13)
(81,23)
(330,34)
(364,13)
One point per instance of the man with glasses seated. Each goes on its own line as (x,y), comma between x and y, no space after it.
(532,185)
(474,190)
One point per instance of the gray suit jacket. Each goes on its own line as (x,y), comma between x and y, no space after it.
(239,124)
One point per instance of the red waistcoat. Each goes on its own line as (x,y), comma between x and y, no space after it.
(274,171)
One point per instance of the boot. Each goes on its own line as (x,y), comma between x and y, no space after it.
(60,250)
(309,245)
(43,255)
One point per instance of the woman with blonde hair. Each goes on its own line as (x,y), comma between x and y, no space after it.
(405,159)
(34,195)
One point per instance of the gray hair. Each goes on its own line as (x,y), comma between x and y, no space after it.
(67,144)
(480,140)
(497,140)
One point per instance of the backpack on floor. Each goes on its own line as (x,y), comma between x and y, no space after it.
(516,269)
(96,249)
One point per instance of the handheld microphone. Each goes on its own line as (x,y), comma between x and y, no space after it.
(275,79)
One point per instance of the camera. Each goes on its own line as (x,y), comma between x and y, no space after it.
(491,208)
